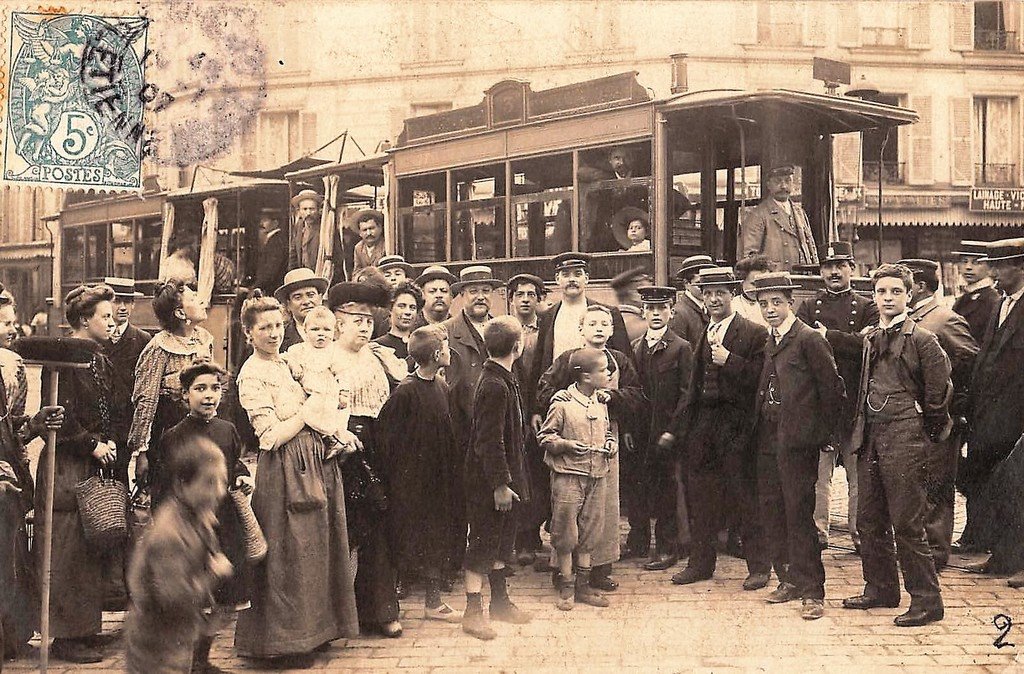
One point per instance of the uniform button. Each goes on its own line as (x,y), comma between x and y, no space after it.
(819,302)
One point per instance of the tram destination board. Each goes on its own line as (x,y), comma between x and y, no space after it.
(997,200)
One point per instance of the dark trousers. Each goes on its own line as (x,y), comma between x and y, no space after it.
(973,476)
(538,510)
(722,487)
(632,493)
(892,503)
(940,489)
(785,488)
(656,499)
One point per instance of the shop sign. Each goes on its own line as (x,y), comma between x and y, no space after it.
(997,200)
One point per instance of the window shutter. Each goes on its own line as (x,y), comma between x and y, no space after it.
(961,26)
(744,25)
(816,16)
(960,152)
(307,120)
(920,172)
(846,149)
(920,25)
(849,25)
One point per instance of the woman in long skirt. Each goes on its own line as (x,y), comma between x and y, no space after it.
(302,595)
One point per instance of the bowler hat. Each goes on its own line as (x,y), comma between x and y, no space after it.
(630,276)
(342,295)
(1005,249)
(836,251)
(122,287)
(303,277)
(389,261)
(656,294)
(620,224)
(368,214)
(773,281)
(570,260)
(692,265)
(477,274)
(716,276)
(519,279)
(971,249)
(304,195)
(434,273)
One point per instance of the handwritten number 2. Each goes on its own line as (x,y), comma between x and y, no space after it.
(1003,623)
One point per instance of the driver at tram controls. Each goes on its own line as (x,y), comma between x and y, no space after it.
(306,232)
(601,204)
(272,261)
(777,227)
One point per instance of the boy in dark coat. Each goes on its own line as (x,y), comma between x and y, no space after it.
(664,362)
(799,396)
(202,387)
(902,409)
(418,448)
(495,479)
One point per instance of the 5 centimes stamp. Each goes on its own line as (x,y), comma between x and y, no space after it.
(76,97)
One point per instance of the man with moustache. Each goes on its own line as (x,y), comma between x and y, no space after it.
(980,298)
(436,283)
(997,407)
(272,262)
(840,314)
(301,291)
(476,285)
(777,227)
(955,338)
(305,243)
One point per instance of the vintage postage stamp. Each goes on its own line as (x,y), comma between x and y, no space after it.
(76,94)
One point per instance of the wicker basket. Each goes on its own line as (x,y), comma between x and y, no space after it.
(255,541)
(103,508)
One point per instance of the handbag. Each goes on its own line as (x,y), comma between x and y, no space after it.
(252,534)
(365,487)
(103,509)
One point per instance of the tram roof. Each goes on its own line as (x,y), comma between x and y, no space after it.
(363,171)
(227,188)
(831,114)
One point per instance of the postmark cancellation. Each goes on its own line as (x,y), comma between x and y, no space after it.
(75,101)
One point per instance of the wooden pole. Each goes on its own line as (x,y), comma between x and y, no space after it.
(51,455)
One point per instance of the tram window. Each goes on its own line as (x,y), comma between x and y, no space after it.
(612,179)
(686,204)
(542,206)
(421,218)
(74,255)
(121,243)
(478,213)
(95,251)
(147,250)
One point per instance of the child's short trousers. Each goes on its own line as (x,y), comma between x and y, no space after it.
(577,512)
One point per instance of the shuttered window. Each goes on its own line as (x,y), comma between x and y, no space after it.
(920,165)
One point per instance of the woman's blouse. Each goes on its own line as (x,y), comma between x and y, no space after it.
(12,369)
(156,374)
(269,395)
(365,375)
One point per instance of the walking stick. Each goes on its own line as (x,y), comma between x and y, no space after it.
(53,354)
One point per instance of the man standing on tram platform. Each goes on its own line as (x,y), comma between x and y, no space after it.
(777,227)
(305,238)
(840,314)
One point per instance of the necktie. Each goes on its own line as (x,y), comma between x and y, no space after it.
(1004,311)
(776,336)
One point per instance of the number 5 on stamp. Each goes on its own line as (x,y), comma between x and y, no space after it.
(74,113)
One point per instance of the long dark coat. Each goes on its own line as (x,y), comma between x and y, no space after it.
(496,443)
(689,320)
(418,451)
(977,307)
(664,372)
(123,356)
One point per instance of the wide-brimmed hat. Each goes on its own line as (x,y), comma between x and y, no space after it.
(123,287)
(717,276)
(620,224)
(368,214)
(656,294)
(518,279)
(477,274)
(1005,249)
(390,261)
(773,281)
(306,194)
(570,260)
(836,251)
(630,276)
(434,273)
(693,264)
(343,295)
(972,249)
(303,277)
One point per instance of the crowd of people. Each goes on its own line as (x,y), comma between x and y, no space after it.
(400,443)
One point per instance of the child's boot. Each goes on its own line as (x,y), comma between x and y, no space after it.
(585,593)
(501,607)
(474,622)
(566,594)
(201,657)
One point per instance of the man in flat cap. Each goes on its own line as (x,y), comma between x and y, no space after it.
(840,314)
(689,316)
(955,338)
(436,283)
(997,404)
(721,465)
(625,286)
(980,298)
(370,249)
(305,244)
(271,263)
(777,227)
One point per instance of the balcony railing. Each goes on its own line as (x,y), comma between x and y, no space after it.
(893,172)
(995,175)
(995,40)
